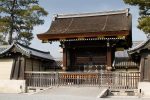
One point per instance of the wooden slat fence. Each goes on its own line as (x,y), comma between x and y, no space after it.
(121,80)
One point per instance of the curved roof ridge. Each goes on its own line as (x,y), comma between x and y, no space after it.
(22,50)
(28,51)
(139,46)
(7,49)
(126,11)
(33,48)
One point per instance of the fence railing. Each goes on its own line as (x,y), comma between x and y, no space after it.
(121,80)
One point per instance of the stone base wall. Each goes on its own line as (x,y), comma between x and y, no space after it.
(144,89)
(12,86)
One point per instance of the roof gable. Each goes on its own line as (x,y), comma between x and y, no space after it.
(124,53)
(28,51)
(141,46)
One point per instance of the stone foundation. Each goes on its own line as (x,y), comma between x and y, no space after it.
(12,86)
(144,89)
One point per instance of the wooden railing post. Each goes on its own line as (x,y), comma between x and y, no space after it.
(78,80)
(57,79)
(121,80)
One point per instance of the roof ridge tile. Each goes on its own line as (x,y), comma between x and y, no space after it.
(126,11)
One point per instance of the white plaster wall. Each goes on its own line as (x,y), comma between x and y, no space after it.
(12,86)
(145,89)
(5,68)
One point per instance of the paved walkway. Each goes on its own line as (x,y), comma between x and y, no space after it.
(62,97)
(66,93)
(72,91)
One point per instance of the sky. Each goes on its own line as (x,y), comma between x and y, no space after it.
(80,6)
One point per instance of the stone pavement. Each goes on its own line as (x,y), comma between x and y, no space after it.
(62,97)
(73,91)
(66,93)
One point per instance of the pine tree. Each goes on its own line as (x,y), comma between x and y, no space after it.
(2,42)
(144,19)
(18,18)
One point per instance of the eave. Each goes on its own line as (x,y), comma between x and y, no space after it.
(54,37)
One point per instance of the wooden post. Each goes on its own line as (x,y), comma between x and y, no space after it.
(22,67)
(109,57)
(68,59)
(39,64)
(32,64)
(13,68)
(141,68)
(17,68)
(64,59)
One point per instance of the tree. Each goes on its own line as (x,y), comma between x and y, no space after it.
(2,40)
(144,19)
(18,18)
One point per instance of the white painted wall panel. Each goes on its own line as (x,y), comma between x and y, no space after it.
(5,68)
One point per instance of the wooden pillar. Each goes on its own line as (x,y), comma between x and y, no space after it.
(39,65)
(13,68)
(22,68)
(68,58)
(32,64)
(64,59)
(109,57)
(142,69)
(16,69)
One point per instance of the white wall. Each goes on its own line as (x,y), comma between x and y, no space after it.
(5,68)
(12,86)
(145,89)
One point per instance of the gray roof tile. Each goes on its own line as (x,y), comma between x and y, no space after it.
(91,22)
(125,62)
(28,51)
(125,52)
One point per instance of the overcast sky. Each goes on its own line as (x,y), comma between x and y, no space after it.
(80,6)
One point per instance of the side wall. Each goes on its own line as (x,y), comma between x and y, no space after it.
(33,65)
(5,68)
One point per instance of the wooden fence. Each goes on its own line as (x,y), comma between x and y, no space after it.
(121,80)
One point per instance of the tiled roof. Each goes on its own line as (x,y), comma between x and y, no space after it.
(91,22)
(122,59)
(124,62)
(125,52)
(139,47)
(28,51)
(3,47)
